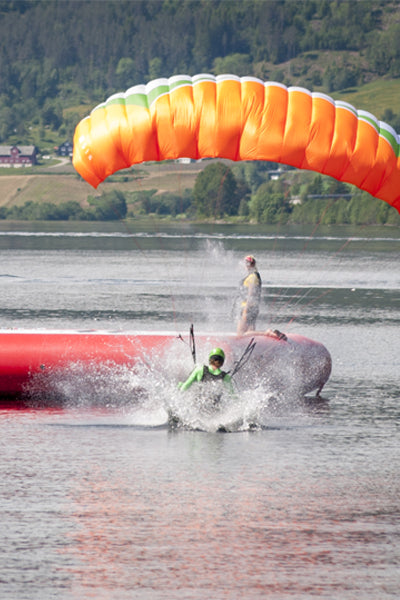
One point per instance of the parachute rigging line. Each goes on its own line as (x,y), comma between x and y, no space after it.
(301,297)
(192,343)
(244,359)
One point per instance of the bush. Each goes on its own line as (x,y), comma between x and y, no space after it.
(66,211)
(215,192)
(167,204)
(110,206)
(269,204)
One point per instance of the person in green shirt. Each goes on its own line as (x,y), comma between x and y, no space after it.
(211,373)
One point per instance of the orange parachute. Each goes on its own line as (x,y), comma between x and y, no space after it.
(239,119)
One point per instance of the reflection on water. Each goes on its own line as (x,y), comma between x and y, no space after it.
(102,499)
(308,507)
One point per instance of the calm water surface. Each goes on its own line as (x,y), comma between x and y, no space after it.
(100,500)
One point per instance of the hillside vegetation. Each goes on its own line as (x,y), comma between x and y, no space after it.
(60,59)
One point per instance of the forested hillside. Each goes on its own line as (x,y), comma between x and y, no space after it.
(59,58)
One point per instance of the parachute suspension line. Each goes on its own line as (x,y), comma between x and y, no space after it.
(310,237)
(212,245)
(280,223)
(244,359)
(156,225)
(272,305)
(294,317)
(347,242)
(342,247)
(180,189)
(128,230)
(156,172)
(326,292)
(125,223)
(218,203)
(160,240)
(191,344)
(299,294)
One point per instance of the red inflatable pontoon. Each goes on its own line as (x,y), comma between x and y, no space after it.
(26,354)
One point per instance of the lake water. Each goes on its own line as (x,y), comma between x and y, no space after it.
(99,501)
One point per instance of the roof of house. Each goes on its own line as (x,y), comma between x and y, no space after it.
(25,150)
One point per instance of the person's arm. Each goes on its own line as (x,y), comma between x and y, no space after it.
(195,375)
(227,380)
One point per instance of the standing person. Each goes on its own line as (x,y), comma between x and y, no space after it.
(250,293)
(211,372)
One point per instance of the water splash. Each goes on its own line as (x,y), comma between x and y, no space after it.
(147,396)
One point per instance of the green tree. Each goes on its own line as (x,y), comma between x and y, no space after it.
(110,206)
(155,68)
(384,51)
(46,211)
(71,119)
(269,204)
(315,187)
(333,186)
(7,122)
(253,172)
(215,192)
(52,114)
(237,64)
(364,209)
(167,204)
(125,72)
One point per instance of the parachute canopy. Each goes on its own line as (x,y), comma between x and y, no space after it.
(239,119)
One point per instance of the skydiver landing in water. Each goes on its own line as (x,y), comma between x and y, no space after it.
(211,373)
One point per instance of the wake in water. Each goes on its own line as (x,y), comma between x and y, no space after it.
(148,396)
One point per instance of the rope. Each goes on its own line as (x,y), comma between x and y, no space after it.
(191,344)
(244,359)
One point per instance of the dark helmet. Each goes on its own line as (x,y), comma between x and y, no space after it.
(217,353)
(250,261)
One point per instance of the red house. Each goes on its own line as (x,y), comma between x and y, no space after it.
(17,156)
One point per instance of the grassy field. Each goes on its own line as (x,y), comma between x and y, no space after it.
(62,184)
(374,97)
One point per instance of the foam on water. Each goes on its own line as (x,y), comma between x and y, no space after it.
(147,396)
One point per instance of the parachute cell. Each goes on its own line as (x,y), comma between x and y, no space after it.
(238,119)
